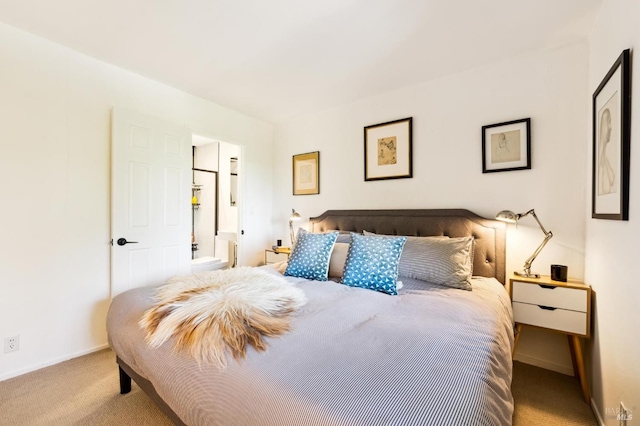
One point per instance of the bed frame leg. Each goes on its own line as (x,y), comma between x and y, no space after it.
(125,381)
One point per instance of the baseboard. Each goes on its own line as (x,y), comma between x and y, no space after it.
(31,368)
(594,408)
(542,363)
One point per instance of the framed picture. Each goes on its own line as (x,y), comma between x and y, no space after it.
(506,146)
(306,173)
(611,143)
(388,150)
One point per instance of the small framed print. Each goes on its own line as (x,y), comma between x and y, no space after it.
(506,146)
(306,173)
(388,150)
(612,142)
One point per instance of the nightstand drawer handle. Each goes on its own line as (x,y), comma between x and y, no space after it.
(547,308)
(548,287)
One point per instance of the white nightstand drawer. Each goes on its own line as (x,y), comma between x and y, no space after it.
(558,319)
(273,257)
(557,297)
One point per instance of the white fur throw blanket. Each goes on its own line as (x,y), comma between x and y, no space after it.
(212,312)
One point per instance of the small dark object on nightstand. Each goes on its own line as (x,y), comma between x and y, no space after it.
(559,273)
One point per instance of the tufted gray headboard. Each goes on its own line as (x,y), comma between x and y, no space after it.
(490,235)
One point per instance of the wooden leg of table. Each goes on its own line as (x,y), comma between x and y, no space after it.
(575,340)
(516,338)
(573,356)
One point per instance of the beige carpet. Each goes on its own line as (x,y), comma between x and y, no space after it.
(81,391)
(548,398)
(85,391)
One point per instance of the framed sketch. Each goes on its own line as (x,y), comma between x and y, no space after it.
(611,143)
(506,146)
(388,150)
(306,173)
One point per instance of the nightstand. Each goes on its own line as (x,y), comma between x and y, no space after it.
(557,306)
(275,256)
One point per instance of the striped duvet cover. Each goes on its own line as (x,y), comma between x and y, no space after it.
(429,356)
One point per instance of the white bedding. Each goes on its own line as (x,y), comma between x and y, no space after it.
(429,356)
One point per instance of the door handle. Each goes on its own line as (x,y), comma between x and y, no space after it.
(123,241)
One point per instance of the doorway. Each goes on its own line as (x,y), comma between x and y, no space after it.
(152,204)
(215,201)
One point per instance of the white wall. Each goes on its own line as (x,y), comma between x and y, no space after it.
(204,217)
(55,110)
(228,220)
(548,86)
(611,246)
(206,156)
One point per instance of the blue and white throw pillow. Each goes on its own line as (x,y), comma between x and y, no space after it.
(372,262)
(311,254)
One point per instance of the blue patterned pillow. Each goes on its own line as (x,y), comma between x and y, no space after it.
(372,262)
(311,254)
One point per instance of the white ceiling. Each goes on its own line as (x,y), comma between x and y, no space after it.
(278,58)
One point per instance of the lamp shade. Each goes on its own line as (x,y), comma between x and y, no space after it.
(294,215)
(507,216)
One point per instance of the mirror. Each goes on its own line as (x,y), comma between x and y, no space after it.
(234,180)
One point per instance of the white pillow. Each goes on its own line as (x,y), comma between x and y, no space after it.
(338,259)
(447,262)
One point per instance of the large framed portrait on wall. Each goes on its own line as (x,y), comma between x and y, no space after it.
(611,143)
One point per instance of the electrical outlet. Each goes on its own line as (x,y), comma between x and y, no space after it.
(623,415)
(11,344)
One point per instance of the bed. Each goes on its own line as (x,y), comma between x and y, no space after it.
(431,355)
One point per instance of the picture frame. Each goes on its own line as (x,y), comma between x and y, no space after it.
(306,173)
(506,146)
(611,124)
(388,150)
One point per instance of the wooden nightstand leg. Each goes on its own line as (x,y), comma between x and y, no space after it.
(572,351)
(516,338)
(577,349)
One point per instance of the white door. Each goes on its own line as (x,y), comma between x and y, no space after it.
(150,200)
